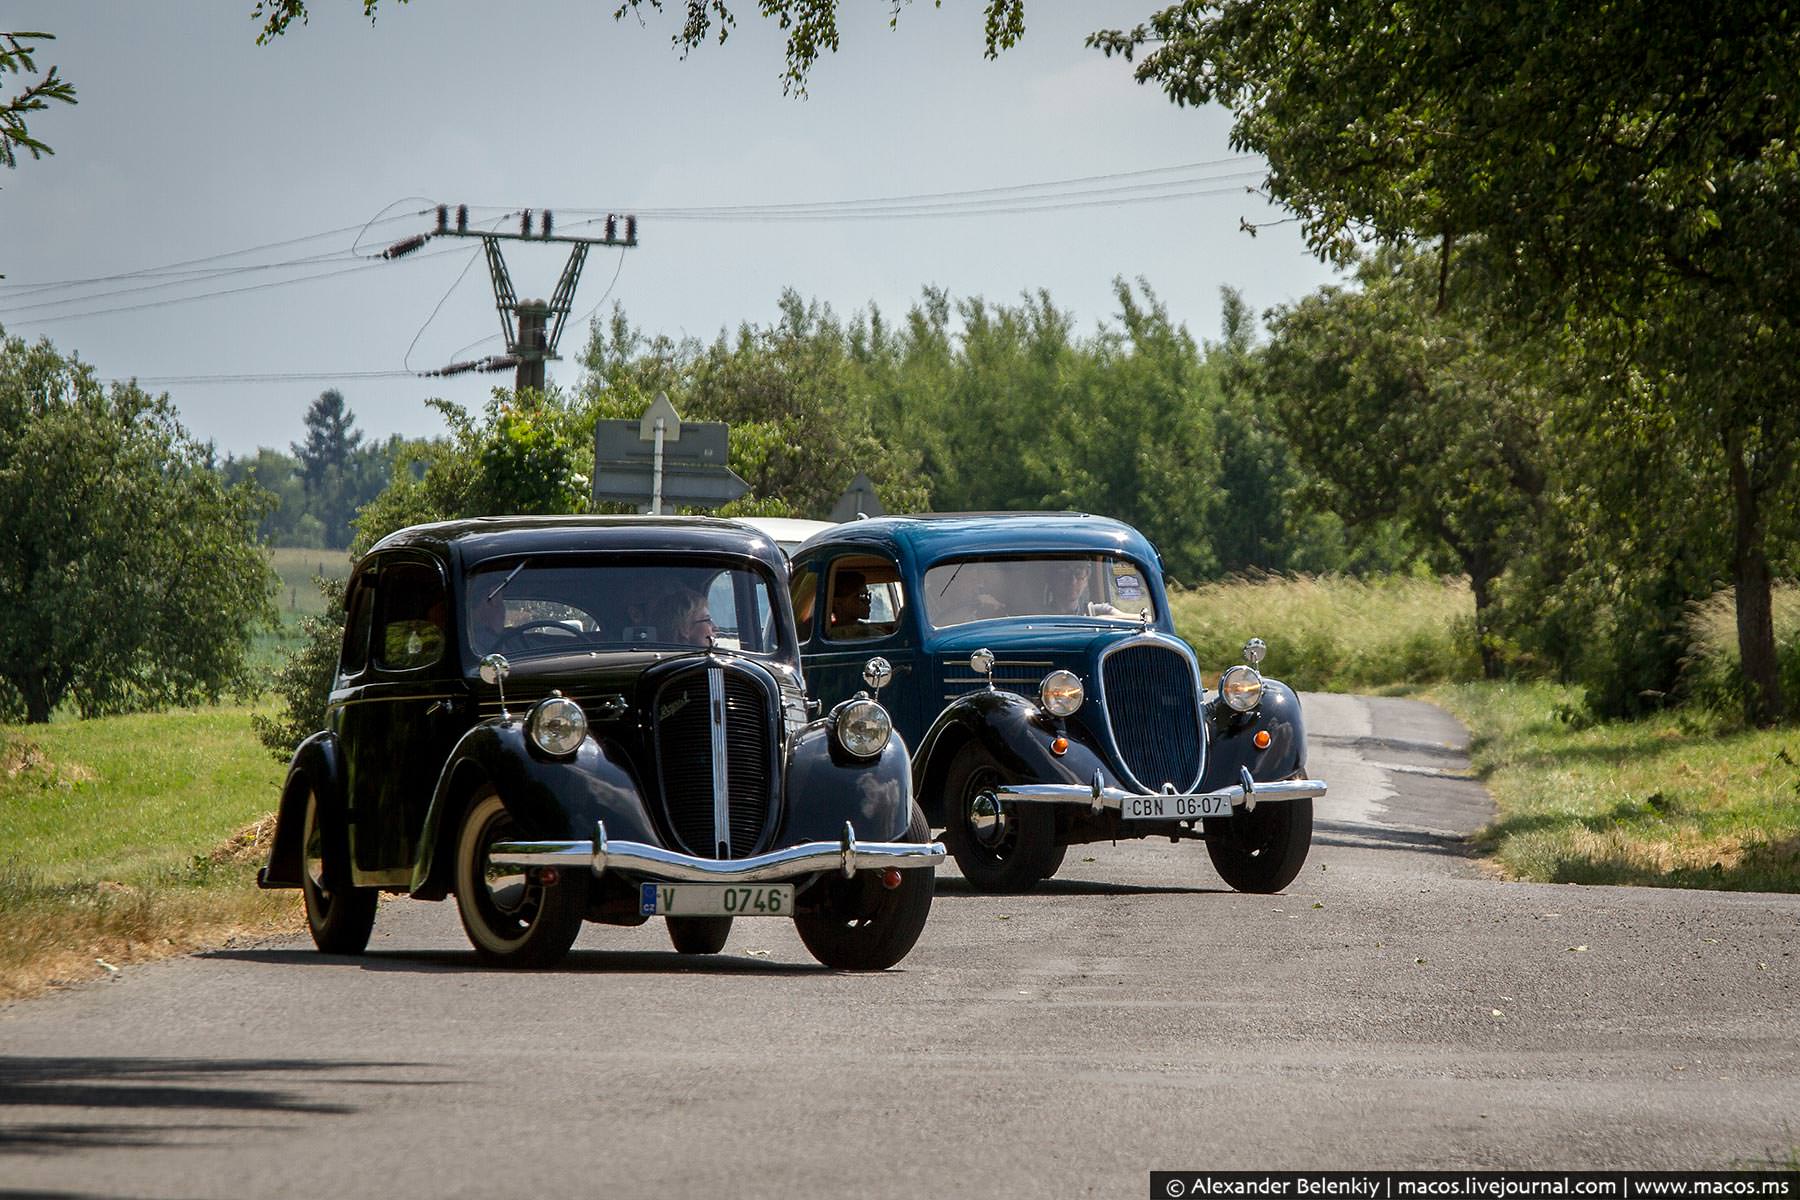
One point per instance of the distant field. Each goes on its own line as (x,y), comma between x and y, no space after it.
(1335,634)
(297,566)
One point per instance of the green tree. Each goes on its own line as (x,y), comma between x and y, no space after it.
(130,577)
(1413,411)
(19,57)
(1632,167)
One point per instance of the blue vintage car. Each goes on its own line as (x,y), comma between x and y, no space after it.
(1033,667)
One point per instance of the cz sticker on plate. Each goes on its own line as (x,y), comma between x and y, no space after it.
(716,900)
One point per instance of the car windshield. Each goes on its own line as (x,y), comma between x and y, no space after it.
(522,607)
(978,589)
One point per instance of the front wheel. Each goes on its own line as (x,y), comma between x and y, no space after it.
(997,847)
(864,926)
(511,921)
(699,935)
(339,915)
(1261,851)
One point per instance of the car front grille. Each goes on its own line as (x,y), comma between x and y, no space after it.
(1154,712)
(684,720)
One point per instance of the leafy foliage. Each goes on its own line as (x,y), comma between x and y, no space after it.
(810,25)
(1631,170)
(302,684)
(18,57)
(130,577)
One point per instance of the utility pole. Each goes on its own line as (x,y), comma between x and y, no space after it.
(528,326)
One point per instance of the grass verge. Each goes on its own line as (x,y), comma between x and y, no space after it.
(131,838)
(1668,801)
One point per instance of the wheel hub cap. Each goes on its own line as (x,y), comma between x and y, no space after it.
(987,819)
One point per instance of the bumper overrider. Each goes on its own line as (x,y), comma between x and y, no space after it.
(1098,797)
(657,864)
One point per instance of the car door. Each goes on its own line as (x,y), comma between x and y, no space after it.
(858,607)
(406,712)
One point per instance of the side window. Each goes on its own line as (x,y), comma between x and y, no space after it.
(865,599)
(356,628)
(410,632)
(803,587)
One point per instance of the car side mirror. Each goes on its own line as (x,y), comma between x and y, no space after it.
(494,670)
(982,663)
(877,672)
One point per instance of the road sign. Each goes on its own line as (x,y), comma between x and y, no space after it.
(857,501)
(687,458)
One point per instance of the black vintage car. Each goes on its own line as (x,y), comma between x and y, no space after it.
(1038,679)
(602,718)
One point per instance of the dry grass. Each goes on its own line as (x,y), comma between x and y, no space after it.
(57,935)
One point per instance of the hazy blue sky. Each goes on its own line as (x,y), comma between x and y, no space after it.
(190,141)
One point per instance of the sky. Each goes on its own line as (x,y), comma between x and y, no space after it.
(190,142)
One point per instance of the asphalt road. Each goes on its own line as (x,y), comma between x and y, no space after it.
(1393,1009)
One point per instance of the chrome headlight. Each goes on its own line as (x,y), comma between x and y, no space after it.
(1061,693)
(1242,688)
(863,727)
(557,725)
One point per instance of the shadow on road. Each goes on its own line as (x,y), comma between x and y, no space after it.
(596,962)
(135,1086)
(1382,837)
(959,889)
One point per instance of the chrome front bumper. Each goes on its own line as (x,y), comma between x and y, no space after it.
(669,866)
(1098,797)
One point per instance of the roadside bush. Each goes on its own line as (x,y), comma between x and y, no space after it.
(302,684)
(1712,677)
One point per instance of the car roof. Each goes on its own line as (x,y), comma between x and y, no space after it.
(478,538)
(787,531)
(932,537)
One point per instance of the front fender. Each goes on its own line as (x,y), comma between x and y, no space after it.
(317,766)
(825,787)
(1231,746)
(1017,734)
(550,798)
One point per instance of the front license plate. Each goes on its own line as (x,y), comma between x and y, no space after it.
(1174,808)
(716,900)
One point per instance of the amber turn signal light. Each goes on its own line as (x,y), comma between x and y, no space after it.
(1261,739)
(1059,746)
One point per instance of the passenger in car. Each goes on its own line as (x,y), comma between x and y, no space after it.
(850,603)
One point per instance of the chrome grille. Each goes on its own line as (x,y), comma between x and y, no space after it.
(684,754)
(1153,709)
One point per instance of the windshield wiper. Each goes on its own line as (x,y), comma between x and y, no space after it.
(501,586)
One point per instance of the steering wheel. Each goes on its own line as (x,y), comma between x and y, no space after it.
(542,629)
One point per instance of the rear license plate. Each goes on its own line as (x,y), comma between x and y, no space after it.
(716,900)
(1173,808)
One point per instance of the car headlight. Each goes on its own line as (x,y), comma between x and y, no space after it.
(1061,693)
(863,727)
(1242,688)
(558,725)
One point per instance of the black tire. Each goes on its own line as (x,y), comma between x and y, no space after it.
(1262,851)
(511,921)
(339,915)
(699,935)
(1014,858)
(863,926)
